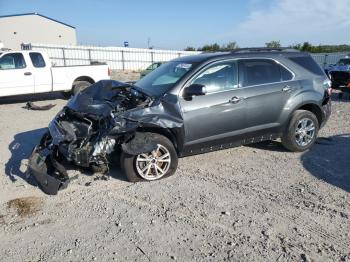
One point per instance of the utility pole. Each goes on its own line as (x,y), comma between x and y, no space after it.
(149,43)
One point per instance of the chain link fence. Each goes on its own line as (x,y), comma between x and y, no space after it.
(137,59)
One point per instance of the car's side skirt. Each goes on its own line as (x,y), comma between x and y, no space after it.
(227,143)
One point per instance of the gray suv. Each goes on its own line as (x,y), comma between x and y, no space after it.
(188,106)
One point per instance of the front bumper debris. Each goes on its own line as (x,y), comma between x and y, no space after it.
(50,175)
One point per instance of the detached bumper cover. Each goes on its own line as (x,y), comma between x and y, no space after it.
(50,175)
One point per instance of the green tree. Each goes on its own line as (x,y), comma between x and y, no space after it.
(230,46)
(190,48)
(209,48)
(307,47)
(273,44)
(295,46)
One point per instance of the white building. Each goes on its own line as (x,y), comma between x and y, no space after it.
(34,28)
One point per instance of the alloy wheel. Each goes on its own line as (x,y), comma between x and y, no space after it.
(305,132)
(153,165)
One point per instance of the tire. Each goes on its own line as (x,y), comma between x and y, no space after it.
(296,138)
(66,94)
(131,165)
(79,86)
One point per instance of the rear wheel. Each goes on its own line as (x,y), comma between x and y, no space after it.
(80,86)
(302,131)
(158,164)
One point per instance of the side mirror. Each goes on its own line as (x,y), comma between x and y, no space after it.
(194,90)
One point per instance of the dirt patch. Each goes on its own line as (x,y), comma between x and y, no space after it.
(25,206)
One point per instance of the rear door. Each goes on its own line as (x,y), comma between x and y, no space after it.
(16,76)
(41,72)
(268,85)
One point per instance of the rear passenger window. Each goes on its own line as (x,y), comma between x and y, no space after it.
(308,63)
(37,60)
(286,74)
(259,71)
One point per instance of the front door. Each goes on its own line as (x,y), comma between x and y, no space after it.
(15,76)
(213,120)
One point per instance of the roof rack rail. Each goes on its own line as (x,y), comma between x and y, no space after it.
(263,49)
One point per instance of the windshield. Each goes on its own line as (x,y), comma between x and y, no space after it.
(344,62)
(162,79)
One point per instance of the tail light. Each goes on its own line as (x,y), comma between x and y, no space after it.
(109,72)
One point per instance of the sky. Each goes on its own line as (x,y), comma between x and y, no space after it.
(177,24)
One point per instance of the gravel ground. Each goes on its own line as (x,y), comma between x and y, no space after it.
(127,75)
(253,203)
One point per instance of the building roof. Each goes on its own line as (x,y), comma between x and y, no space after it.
(2,16)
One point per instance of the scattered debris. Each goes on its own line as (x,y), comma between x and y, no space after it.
(143,252)
(32,106)
(2,220)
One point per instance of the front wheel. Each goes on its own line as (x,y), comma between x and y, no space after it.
(302,131)
(158,164)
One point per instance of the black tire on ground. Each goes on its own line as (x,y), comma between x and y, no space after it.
(128,162)
(67,94)
(289,137)
(79,86)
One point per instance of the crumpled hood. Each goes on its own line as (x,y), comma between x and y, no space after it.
(98,99)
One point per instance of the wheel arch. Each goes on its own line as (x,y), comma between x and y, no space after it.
(83,78)
(164,132)
(308,106)
(313,108)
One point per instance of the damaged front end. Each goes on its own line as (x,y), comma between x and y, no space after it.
(86,131)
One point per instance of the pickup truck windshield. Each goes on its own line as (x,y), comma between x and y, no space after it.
(159,81)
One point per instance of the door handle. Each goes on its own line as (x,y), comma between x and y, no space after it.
(28,73)
(235,100)
(287,89)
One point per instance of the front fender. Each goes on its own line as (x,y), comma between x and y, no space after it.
(139,144)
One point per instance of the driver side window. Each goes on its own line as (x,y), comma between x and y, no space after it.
(12,61)
(219,77)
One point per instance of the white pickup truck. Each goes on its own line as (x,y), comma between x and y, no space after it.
(30,72)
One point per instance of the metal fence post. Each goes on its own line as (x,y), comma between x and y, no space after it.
(152,58)
(325,61)
(123,60)
(89,50)
(64,57)
(179,54)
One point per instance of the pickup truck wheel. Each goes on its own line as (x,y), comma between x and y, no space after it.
(79,86)
(158,164)
(302,131)
(66,94)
